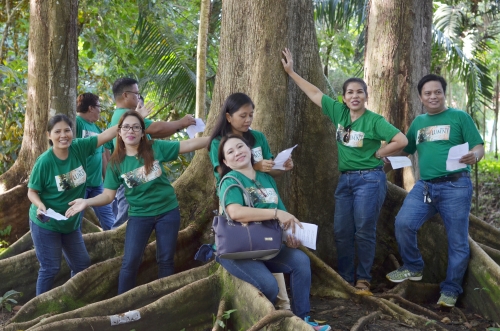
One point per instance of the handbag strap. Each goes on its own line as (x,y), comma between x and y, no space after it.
(246,195)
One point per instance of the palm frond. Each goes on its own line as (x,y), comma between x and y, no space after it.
(170,79)
(449,19)
(340,13)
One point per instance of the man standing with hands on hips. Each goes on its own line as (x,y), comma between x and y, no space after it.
(439,190)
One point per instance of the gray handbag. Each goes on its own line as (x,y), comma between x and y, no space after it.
(252,240)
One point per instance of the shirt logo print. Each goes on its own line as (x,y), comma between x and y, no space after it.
(72,179)
(138,176)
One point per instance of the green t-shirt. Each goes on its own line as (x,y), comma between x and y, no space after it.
(117,114)
(260,151)
(367,132)
(86,129)
(60,181)
(263,191)
(432,136)
(147,194)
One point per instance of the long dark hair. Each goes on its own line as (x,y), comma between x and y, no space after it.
(223,168)
(145,150)
(56,119)
(232,104)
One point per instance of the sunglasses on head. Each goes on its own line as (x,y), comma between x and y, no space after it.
(347,134)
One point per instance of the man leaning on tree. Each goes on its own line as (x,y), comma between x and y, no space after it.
(447,192)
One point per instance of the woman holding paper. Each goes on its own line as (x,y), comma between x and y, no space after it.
(136,163)
(58,177)
(362,184)
(235,159)
(236,117)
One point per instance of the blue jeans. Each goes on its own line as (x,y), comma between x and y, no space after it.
(260,274)
(452,200)
(48,248)
(103,213)
(139,230)
(358,199)
(120,207)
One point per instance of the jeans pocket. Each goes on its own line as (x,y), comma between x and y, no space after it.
(463,182)
(371,176)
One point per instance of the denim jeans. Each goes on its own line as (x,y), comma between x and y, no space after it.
(452,200)
(48,248)
(103,213)
(259,274)
(120,207)
(139,229)
(358,199)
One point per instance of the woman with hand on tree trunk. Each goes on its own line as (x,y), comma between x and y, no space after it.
(236,117)
(58,177)
(362,184)
(235,159)
(137,164)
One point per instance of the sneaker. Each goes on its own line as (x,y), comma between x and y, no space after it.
(402,274)
(316,326)
(447,299)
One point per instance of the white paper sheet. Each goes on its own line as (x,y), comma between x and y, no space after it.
(192,130)
(399,161)
(54,215)
(307,235)
(282,157)
(454,154)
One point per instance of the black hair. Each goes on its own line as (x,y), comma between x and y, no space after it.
(84,101)
(430,78)
(56,119)
(121,84)
(354,80)
(232,104)
(223,168)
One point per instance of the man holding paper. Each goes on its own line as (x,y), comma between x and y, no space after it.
(444,187)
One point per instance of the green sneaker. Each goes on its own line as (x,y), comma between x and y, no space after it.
(447,299)
(402,274)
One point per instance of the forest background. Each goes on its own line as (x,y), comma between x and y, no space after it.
(156,42)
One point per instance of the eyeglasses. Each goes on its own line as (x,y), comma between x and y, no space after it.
(135,128)
(347,135)
(136,93)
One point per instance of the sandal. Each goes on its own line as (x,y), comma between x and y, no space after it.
(363,287)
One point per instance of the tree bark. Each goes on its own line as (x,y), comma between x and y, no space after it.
(52,77)
(397,55)
(201,60)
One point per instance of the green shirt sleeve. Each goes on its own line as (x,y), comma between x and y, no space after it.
(266,150)
(332,108)
(113,179)
(233,196)
(412,142)
(168,150)
(85,146)
(384,130)
(214,153)
(36,181)
(469,131)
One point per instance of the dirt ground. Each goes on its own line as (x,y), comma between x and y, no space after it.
(342,314)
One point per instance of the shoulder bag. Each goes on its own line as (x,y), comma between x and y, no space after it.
(252,240)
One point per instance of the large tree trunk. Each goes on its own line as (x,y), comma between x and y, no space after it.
(52,78)
(249,62)
(201,61)
(398,54)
